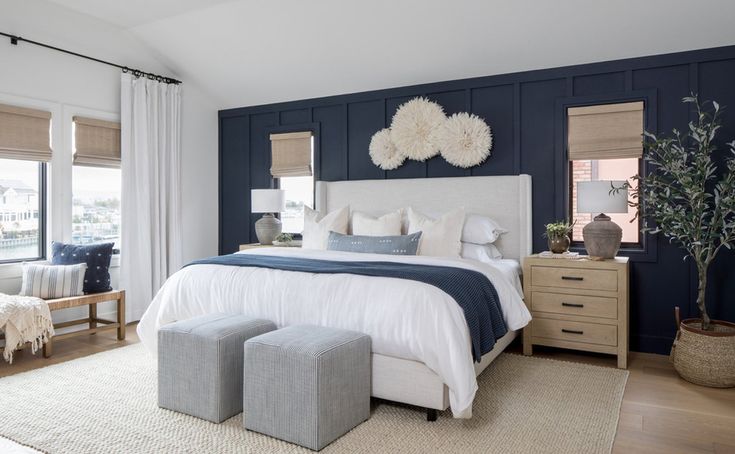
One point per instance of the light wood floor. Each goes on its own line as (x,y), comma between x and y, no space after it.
(661,413)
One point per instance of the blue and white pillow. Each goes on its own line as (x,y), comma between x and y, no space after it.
(393,245)
(96,256)
(53,281)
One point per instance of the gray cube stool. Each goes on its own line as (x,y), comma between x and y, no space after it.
(307,385)
(200,364)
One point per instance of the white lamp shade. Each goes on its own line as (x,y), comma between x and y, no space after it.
(595,197)
(267,200)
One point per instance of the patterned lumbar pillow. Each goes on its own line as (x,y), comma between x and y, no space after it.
(96,256)
(393,245)
(53,281)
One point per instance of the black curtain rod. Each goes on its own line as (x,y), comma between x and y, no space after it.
(136,72)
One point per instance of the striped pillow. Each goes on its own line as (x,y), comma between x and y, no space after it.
(53,281)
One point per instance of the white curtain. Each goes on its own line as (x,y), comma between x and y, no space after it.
(150,114)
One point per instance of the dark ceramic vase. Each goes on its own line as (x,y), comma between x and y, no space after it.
(559,244)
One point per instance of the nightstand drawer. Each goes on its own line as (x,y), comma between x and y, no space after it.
(591,333)
(588,306)
(576,278)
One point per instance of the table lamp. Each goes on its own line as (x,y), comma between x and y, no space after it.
(602,236)
(268,201)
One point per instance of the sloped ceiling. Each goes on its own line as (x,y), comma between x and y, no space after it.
(252,52)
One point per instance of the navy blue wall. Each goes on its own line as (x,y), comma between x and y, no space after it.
(526,114)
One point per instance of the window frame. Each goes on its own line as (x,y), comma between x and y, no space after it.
(42,224)
(65,228)
(314,127)
(647,250)
(627,245)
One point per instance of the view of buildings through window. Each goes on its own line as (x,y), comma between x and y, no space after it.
(604,169)
(20,209)
(96,205)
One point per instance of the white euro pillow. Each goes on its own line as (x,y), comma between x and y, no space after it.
(317,227)
(481,230)
(440,237)
(386,225)
(480,252)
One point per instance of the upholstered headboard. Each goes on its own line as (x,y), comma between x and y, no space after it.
(507,199)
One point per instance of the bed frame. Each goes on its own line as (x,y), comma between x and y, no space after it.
(507,199)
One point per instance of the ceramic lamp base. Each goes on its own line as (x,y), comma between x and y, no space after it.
(602,238)
(267,228)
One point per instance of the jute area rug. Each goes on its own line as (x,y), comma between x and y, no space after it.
(106,403)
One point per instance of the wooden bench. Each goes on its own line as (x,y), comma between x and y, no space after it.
(88,300)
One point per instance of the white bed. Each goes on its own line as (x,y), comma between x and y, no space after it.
(421,349)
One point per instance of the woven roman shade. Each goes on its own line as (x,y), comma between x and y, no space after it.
(25,134)
(291,154)
(607,131)
(97,143)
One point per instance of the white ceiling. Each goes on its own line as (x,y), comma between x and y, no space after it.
(251,52)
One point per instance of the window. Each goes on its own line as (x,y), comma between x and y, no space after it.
(604,169)
(96,205)
(604,143)
(292,161)
(299,193)
(21,207)
(25,147)
(96,185)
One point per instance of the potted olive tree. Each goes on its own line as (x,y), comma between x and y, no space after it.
(690,199)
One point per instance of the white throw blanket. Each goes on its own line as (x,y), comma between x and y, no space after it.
(24,319)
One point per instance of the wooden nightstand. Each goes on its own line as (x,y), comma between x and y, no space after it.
(257,245)
(577,304)
(253,246)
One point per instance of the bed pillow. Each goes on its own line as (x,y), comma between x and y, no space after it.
(440,237)
(52,281)
(386,225)
(96,256)
(480,252)
(481,230)
(317,227)
(392,244)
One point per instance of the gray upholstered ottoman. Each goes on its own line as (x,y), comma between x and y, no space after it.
(308,385)
(200,364)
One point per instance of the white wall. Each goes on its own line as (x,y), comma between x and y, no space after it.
(66,84)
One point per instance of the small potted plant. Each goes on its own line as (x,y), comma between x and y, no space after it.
(557,234)
(689,197)
(283,239)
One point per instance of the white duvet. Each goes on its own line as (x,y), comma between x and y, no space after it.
(404,318)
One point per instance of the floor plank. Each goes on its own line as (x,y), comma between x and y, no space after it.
(661,413)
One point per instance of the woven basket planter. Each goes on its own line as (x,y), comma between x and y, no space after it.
(705,357)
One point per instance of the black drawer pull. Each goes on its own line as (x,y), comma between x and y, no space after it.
(572,305)
(571,331)
(572,278)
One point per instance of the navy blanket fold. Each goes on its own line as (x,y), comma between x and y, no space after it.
(472,290)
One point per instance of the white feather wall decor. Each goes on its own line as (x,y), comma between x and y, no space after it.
(413,127)
(465,140)
(383,151)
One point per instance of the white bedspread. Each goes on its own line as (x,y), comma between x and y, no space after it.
(404,318)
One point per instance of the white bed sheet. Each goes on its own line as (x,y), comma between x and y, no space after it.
(404,318)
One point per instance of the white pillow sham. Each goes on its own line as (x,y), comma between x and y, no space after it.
(480,229)
(52,281)
(317,227)
(386,225)
(480,252)
(440,237)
